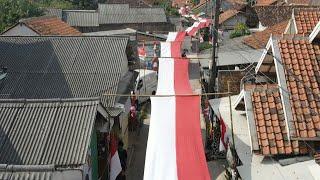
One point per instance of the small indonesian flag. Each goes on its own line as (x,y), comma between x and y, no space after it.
(142,52)
(115,164)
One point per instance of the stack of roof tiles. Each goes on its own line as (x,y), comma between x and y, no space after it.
(302,71)
(270,123)
(306,19)
(49,25)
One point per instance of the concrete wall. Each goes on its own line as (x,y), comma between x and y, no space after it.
(20,30)
(230,23)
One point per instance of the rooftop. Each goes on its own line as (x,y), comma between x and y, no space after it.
(300,59)
(265,2)
(50,25)
(306,19)
(227,15)
(123,13)
(269,119)
(67,67)
(257,166)
(273,14)
(260,39)
(47,131)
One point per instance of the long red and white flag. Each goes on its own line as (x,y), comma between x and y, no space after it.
(201,23)
(175,149)
(172,47)
(115,164)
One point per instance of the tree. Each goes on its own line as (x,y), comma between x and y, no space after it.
(59,4)
(13,10)
(240,30)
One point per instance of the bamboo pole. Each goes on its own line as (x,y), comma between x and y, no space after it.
(231,119)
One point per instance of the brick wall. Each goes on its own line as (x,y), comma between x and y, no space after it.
(234,77)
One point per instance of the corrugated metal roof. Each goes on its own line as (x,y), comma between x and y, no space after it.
(38,172)
(81,18)
(122,13)
(43,132)
(62,67)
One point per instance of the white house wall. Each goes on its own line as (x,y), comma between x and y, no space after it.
(20,30)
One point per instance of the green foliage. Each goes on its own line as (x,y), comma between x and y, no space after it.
(204,45)
(13,10)
(240,30)
(59,4)
(166,5)
(67,4)
(84,4)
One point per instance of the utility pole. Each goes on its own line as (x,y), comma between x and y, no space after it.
(206,8)
(213,70)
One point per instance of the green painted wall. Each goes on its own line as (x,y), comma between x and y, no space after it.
(94,155)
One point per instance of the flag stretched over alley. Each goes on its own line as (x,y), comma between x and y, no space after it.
(175,150)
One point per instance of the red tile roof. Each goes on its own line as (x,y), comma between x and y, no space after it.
(306,19)
(259,40)
(265,2)
(270,122)
(49,25)
(227,15)
(272,15)
(302,71)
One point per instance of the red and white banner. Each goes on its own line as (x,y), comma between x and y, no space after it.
(175,149)
(115,164)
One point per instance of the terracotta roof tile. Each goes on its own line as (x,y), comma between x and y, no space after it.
(271,125)
(48,25)
(265,2)
(259,40)
(306,19)
(304,103)
(227,15)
